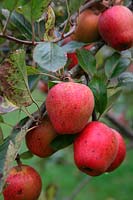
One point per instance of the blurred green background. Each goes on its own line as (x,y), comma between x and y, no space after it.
(62,180)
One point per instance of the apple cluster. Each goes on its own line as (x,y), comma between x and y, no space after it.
(114,26)
(97,147)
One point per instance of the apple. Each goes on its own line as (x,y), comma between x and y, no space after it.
(95,148)
(87,27)
(116,27)
(121,153)
(22,183)
(69,106)
(73,60)
(38,139)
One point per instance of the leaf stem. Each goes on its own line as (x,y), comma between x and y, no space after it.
(33,32)
(7,21)
(50,75)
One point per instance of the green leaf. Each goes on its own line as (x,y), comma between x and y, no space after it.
(1,136)
(72,46)
(49,56)
(121,66)
(26,155)
(74,5)
(103,53)
(126,79)
(32,71)
(23,2)
(10,147)
(10,5)
(116,64)
(98,86)
(87,61)
(62,141)
(13,80)
(22,25)
(49,25)
(111,64)
(37,8)
(52,83)
(1,119)
(6,106)
(112,99)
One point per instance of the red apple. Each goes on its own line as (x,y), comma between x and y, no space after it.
(95,148)
(73,60)
(38,140)
(87,27)
(116,27)
(121,153)
(69,106)
(22,183)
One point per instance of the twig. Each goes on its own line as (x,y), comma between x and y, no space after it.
(7,21)
(94,116)
(18,160)
(88,5)
(26,42)
(79,187)
(33,32)
(126,131)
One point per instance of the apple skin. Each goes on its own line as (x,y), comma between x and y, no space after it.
(121,153)
(69,106)
(95,148)
(116,27)
(87,27)
(38,139)
(22,183)
(73,59)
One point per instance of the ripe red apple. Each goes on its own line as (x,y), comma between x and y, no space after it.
(73,60)
(38,139)
(87,27)
(116,27)
(69,106)
(95,148)
(121,153)
(22,183)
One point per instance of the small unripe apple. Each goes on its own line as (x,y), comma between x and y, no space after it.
(87,27)
(69,106)
(95,148)
(38,139)
(116,27)
(22,183)
(121,153)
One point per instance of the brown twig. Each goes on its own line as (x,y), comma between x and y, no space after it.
(34,43)
(88,5)
(19,163)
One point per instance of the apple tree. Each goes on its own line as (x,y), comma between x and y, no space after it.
(78,53)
